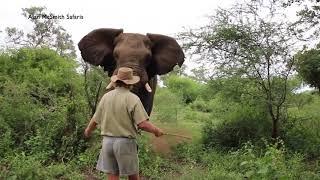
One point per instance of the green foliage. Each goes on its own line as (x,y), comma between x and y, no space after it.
(200,105)
(21,166)
(240,124)
(166,105)
(234,89)
(301,130)
(94,82)
(252,162)
(151,165)
(241,42)
(300,100)
(184,87)
(189,114)
(272,163)
(189,153)
(42,105)
(308,66)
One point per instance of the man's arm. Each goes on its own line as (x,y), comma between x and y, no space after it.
(149,127)
(96,119)
(91,126)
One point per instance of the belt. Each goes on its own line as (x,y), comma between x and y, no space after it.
(119,137)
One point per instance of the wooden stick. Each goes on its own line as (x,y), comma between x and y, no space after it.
(169,134)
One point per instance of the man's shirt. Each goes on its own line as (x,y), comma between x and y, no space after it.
(119,112)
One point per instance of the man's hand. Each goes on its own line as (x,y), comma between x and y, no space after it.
(87,132)
(158,132)
(149,127)
(91,126)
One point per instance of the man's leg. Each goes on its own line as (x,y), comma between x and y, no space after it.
(134,177)
(127,157)
(113,176)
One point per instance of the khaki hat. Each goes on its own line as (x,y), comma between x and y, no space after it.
(125,75)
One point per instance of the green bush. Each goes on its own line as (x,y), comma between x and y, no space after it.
(271,161)
(21,166)
(186,88)
(301,130)
(151,165)
(201,105)
(241,123)
(6,141)
(43,107)
(302,135)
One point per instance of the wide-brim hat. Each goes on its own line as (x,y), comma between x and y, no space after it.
(125,75)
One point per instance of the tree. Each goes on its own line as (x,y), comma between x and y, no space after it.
(308,66)
(308,12)
(94,81)
(46,33)
(251,41)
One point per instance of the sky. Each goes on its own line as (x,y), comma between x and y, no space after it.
(166,17)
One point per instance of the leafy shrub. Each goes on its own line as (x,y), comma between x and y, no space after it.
(301,130)
(150,164)
(272,163)
(26,167)
(301,135)
(6,141)
(42,105)
(185,87)
(201,105)
(241,124)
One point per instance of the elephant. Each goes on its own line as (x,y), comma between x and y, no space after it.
(148,55)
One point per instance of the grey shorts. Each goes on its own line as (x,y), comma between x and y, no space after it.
(118,156)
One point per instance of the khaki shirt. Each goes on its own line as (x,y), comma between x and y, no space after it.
(119,112)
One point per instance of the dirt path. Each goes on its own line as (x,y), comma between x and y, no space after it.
(163,145)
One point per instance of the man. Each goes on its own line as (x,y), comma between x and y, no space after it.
(120,114)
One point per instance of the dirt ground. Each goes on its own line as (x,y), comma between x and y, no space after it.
(164,144)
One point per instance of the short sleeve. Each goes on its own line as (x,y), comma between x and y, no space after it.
(139,113)
(98,114)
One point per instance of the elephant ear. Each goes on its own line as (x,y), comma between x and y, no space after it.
(166,53)
(97,47)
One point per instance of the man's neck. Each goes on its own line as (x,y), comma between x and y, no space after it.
(121,88)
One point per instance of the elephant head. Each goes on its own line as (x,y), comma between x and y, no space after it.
(148,55)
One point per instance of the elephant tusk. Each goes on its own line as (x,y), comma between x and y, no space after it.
(148,88)
(110,85)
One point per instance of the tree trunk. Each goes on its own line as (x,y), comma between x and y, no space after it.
(275,128)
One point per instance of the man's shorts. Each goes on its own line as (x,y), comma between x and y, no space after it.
(118,156)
